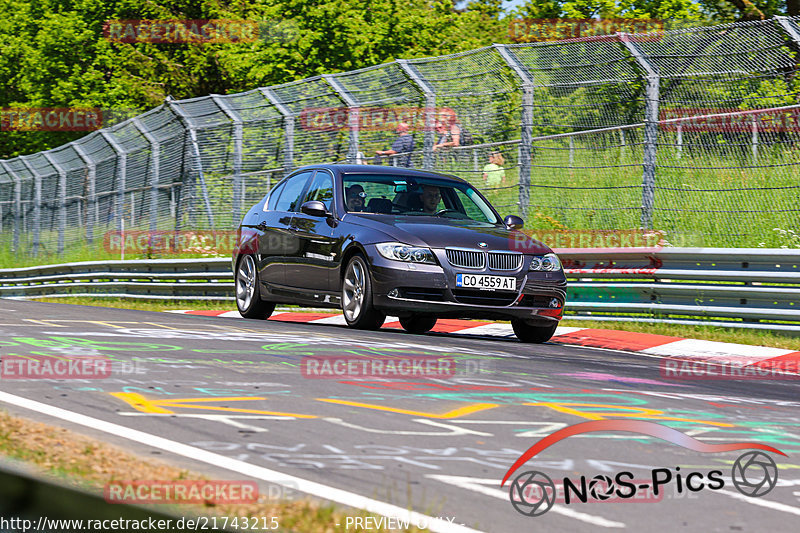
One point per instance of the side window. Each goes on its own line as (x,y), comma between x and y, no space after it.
(274,194)
(321,189)
(290,195)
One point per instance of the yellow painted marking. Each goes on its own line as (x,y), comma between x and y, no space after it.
(158,325)
(43,323)
(145,405)
(455,413)
(639,412)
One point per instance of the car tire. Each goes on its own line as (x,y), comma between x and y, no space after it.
(248,294)
(418,324)
(526,332)
(359,313)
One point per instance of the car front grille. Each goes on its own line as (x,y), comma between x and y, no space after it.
(422,293)
(466,258)
(488,298)
(504,261)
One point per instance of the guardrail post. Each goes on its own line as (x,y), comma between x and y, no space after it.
(155,170)
(288,127)
(37,206)
(190,125)
(91,191)
(62,199)
(238,152)
(353,116)
(430,110)
(17,205)
(526,125)
(122,175)
(650,128)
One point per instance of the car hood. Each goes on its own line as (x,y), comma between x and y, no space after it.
(442,233)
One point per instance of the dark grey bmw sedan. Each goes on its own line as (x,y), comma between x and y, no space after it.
(374,240)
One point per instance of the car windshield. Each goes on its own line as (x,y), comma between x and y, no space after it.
(413,196)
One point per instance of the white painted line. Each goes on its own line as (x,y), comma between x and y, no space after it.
(495,330)
(272,476)
(231,314)
(563,330)
(477,485)
(711,350)
(775,506)
(337,320)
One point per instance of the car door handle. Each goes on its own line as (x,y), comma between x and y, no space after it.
(262,226)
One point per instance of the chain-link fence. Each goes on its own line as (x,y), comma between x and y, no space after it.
(689,132)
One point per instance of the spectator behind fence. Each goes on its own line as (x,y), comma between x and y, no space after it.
(494,175)
(449,130)
(404,144)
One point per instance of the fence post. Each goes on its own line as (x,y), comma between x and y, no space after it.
(526,125)
(238,154)
(650,129)
(430,110)
(754,138)
(189,124)
(62,199)
(37,206)
(288,127)
(155,171)
(353,116)
(680,140)
(91,191)
(789,27)
(122,175)
(17,205)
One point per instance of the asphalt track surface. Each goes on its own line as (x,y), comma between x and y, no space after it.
(227,398)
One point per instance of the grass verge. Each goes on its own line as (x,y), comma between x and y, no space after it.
(709,333)
(85,463)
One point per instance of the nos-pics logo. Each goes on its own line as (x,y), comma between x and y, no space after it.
(533,493)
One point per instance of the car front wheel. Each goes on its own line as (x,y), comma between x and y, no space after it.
(248,297)
(418,324)
(529,333)
(357,296)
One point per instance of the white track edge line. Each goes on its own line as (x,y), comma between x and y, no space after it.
(272,476)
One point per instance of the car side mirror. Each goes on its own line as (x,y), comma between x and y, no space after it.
(314,208)
(513,222)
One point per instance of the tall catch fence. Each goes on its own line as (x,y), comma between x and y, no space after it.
(690,132)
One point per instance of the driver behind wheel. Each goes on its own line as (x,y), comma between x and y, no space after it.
(356,197)
(430,197)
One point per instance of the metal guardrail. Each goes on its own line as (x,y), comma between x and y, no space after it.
(751,288)
(155,279)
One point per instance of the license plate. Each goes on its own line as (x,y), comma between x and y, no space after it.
(489,283)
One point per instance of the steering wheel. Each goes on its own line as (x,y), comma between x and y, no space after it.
(443,211)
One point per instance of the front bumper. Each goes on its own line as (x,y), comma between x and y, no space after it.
(403,289)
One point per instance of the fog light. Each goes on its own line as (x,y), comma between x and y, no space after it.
(555,303)
(394,293)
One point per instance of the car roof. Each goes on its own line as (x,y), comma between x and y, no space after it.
(378,169)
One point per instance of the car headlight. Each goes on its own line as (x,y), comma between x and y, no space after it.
(545,263)
(403,252)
